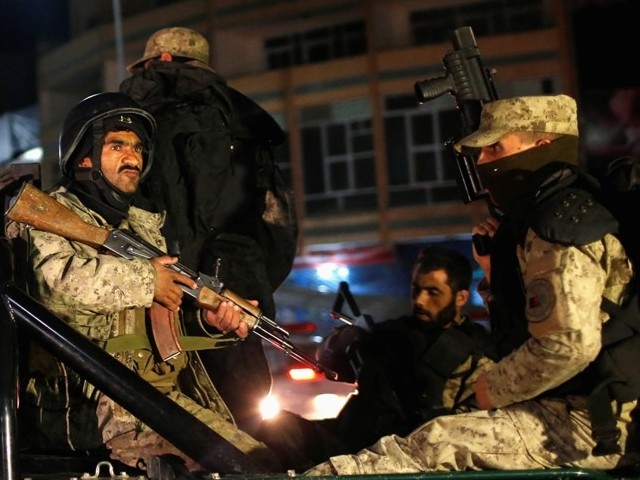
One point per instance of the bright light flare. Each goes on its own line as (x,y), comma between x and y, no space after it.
(303,374)
(31,155)
(327,405)
(332,272)
(269,407)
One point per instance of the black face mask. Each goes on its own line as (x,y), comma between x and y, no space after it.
(513,181)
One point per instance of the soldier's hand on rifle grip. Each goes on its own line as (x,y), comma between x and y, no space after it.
(228,318)
(167,288)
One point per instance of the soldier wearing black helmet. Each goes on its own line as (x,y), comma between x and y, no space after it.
(80,152)
(106,147)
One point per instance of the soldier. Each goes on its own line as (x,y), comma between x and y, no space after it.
(408,370)
(546,277)
(415,367)
(229,211)
(106,147)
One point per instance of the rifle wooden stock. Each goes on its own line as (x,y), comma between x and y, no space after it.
(43,212)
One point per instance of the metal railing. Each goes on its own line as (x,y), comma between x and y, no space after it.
(21,313)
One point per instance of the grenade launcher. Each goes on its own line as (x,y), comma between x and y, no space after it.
(471,85)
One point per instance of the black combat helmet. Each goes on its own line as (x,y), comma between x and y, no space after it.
(84,128)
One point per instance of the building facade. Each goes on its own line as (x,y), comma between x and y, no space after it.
(365,159)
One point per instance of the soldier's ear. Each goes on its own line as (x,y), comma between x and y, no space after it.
(462,297)
(542,141)
(85,163)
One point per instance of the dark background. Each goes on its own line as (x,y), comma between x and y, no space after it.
(605,34)
(25,27)
(606,40)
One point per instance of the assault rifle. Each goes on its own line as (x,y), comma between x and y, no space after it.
(471,85)
(36,208)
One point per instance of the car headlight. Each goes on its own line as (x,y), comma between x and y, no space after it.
(269,407)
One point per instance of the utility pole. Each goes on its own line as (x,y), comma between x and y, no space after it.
(117,23)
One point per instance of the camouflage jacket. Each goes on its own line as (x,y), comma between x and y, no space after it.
(103,297)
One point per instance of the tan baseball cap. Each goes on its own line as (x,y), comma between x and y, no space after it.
(179,42)
(547,113)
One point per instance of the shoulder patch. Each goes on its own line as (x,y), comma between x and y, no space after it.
(541,298)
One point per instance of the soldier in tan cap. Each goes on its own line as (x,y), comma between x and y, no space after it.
(215,175)
(174,44)
(553,260)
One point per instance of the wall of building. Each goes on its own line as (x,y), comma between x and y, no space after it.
(526,62)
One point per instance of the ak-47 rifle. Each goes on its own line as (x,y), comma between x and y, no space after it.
(471,85)
(41,211)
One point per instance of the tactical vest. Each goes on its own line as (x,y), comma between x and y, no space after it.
(402,375)
(570,215)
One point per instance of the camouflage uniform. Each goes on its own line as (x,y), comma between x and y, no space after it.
(522,433)
(552,291)
(104,297)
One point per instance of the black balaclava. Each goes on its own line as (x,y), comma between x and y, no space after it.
(514,181)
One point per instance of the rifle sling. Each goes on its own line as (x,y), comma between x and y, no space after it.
(123,343)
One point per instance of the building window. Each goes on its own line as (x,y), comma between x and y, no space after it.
(317,45)
(421,171)
(487,18)
(338,158)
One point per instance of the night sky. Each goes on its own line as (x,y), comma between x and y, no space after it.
(27,27)
(606,44)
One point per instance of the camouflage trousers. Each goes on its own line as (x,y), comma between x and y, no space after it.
(133,443)
(529,435)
